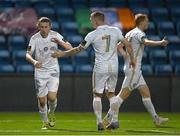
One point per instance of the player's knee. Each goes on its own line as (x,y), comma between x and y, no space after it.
(52,96)
(109,94)
(42,102)
(97,95)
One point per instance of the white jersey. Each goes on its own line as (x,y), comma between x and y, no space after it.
(135,37)
(104,40)
(43,49)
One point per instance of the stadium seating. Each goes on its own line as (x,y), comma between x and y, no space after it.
(67,68)
(71,19)
(174,42)
(174,57)
(3,44)
(7,68)
(82,58)
(151,29)
(5,57)
(19,57)
(158,57)
(75,40)
(17,42)
(166,28)
(25,68)
(159,14)
(165,69)
(87,68)
(64,14)
(156,3)
(147,69)
(177,70)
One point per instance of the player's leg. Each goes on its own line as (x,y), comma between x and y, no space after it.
(42,91)
(112,114)
(52,85)
(110,93)
(146,98)
(42,105)
(98,83)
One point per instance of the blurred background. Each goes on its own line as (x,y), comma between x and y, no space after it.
(161,66)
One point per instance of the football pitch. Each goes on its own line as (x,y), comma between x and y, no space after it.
(28,123)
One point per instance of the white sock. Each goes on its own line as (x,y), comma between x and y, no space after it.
(149,106)
(97,106)
(115,103)
(43,113)
(52,106)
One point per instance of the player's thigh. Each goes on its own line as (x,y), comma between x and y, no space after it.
(98,82)
(40,86)
(111,82)
(53,82)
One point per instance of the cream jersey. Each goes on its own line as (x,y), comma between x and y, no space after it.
(104,41)
(135,37)
(43,49)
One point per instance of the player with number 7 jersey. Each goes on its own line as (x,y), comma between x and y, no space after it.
(104,40)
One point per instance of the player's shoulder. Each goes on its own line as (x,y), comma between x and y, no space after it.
(53,33)
(92,33)
(36,36)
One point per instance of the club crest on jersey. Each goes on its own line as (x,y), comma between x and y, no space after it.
(45,49)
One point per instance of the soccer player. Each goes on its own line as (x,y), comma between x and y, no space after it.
(133,77)
(104,40)
(46,74)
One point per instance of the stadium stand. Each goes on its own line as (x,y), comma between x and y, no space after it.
(71,19)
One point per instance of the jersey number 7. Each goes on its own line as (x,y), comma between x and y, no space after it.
(107,38)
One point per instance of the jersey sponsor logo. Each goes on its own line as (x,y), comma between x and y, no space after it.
(45,49)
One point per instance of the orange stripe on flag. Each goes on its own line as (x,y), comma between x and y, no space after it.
(126,18)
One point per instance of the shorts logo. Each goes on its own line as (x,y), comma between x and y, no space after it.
(45,49)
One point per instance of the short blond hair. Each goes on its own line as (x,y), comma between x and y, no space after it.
(140,18)
(44,19)
(98,15)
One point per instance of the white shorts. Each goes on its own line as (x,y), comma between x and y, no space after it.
(104,81)
(133,79)
(46,81)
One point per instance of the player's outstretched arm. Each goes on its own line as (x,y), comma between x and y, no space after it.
(71,52)
(152,43)
(65,44)
(31,60)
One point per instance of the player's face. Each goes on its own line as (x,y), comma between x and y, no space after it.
(93,22)
(44,28)
(145,23)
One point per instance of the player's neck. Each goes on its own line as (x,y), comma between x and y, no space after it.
(141,28)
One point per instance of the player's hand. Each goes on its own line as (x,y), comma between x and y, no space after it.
(37,64)
(57,41)
(57,54)
(164,42)
(132,64)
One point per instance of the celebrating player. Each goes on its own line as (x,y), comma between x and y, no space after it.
(104,40)
(133,77)
(46,75)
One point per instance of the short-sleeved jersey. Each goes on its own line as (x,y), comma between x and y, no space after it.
(43,49)
(135,37)
(104,41)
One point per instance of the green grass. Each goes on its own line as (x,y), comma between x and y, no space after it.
(85,124)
